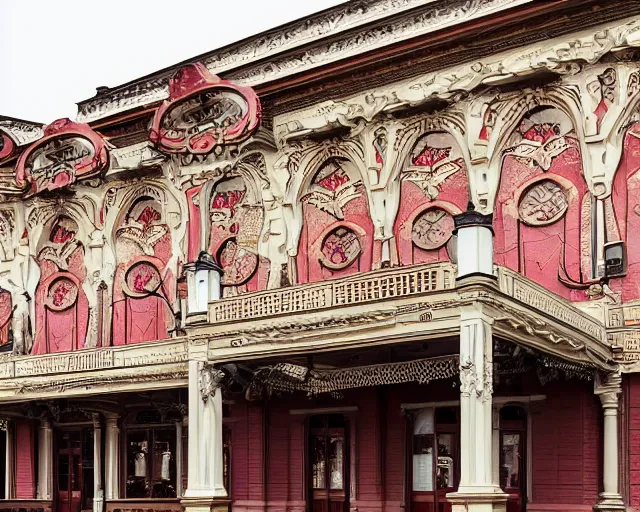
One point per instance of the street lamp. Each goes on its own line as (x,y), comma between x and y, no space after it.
(203,282)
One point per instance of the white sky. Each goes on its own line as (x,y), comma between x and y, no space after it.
(54,53)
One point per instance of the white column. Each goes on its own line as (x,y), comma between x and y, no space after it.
(478,490)
(98,493)
(179,469)
(112,457)
(609,389)
(45,461)
(205,464)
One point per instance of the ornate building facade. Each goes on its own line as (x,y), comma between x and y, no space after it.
(382,259)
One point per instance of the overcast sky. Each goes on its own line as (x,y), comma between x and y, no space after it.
(54,53)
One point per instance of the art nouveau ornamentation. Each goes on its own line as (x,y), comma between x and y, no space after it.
(143,285)
(433,188)
(62,309)
(542,213)
(68,152)
(204,112)
(626,220)
(235,225)
(7,146)
(337,231)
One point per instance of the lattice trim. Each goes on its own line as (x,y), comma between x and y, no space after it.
(289,377)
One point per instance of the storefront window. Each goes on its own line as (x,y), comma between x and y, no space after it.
(328,454)
(423,435)
(434,463)
(151,463)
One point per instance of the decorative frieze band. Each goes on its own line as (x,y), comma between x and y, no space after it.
(89,360)
(437,15)
(537,297)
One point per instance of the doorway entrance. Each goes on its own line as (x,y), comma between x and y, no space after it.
(513,449)
(74,469)
(328,446)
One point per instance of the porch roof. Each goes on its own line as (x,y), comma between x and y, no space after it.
(395,306)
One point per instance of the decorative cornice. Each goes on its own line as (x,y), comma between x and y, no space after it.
(423,19)
(22,132)
(563,55)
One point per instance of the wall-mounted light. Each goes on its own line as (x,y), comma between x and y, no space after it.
(203,282)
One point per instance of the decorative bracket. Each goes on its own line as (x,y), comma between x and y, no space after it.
(210,379)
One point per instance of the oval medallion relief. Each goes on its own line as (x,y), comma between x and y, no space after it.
(543,203)
(432,229)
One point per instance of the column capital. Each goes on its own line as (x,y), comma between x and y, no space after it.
(608,387)
(111,419)
(209,381)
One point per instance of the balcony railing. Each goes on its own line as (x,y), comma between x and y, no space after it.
(359,289)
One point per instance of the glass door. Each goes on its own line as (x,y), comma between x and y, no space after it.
(329,474)
(513,422)
(434,448)
(74,470)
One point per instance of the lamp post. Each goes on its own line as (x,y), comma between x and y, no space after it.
(203,282)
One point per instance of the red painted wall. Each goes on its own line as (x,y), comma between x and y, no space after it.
(247,456)
(566,446)
(634,440)
(25,460)
(626,202)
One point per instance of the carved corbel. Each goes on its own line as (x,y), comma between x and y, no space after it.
(210,380)
(608,387)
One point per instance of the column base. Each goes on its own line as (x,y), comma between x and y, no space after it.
(205,504)
(98,502)
(609,501)
(478,499)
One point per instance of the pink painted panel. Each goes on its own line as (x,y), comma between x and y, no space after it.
(25,460)
(143,286)
(6,306)
(193,224)
(337,235)
(626,202)
(434,187)
(542,210)
(565,439)
(62,307)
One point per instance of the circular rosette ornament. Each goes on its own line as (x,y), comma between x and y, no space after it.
(545,202)
(340,248)
(432,229)
(62,294)
(239,264)
(142,279)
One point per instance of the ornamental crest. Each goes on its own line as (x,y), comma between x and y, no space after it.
(68,152)
(540,138)
(333,187)
(204,112)
(431,164)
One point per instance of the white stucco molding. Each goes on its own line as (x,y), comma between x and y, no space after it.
(354,28)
